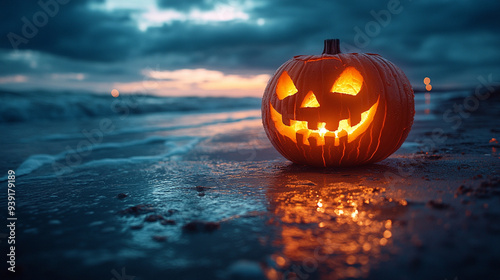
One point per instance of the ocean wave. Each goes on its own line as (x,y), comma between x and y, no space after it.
(36,106)
(34,162)
(137,130)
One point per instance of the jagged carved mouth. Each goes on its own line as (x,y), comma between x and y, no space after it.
(299,129)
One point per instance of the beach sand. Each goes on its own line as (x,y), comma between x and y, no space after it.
(212,199)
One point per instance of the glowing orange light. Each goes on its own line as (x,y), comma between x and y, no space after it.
(349,82)
(344,129)
(285,86)
(280,261)
(388,224)
(310,101)
(367,246)
(354,214)
(427,82)
(351,260)
(115,93)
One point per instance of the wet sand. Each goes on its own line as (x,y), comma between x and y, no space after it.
(233,208)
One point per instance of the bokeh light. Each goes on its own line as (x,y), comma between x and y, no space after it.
(115,93)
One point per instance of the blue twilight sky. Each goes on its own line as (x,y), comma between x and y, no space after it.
(231,47)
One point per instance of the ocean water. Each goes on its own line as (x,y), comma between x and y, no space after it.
(38,106)
(52,134)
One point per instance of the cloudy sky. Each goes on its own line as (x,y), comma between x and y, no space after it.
(231,47)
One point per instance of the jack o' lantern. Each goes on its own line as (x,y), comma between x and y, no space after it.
(337,109)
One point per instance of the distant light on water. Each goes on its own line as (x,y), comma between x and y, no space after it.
(428,87)
(427,82)
(115,93)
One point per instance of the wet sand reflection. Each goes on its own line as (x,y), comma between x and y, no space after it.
(333,225)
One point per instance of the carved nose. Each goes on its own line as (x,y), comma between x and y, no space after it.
(310,101)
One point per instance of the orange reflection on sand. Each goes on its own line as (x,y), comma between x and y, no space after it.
(330,229)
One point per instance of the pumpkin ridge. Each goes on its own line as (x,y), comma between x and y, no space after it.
(379,135)
(384,76)
(343,152)
(369,134)
(314,58)
(410,111)
(403,100)
(364,70)
(375,64)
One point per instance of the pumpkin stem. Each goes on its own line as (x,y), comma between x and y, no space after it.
(332,46)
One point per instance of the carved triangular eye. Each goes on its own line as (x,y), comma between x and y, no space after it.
(310,101)
(349,82)
(285,86)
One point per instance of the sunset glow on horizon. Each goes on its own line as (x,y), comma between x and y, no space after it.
(198,82)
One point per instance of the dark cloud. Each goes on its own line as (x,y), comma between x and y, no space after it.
(249,45)
(184,5)
(444,37)
(74,31)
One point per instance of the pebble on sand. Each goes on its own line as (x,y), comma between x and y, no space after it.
(198,226)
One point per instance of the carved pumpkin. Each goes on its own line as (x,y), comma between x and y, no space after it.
(337,109)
